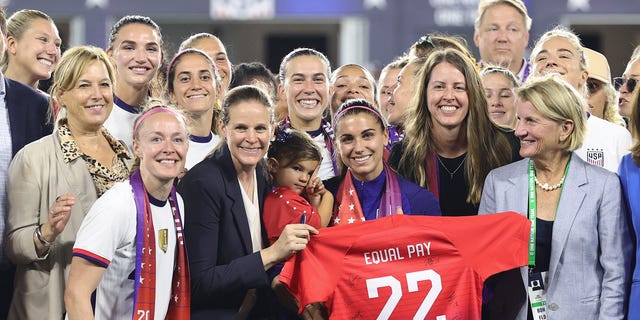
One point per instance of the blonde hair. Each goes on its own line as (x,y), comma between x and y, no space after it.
(565,33)
(611,111)
(559,101)
(154,103)
(17,25)
(486,143)
(72,65)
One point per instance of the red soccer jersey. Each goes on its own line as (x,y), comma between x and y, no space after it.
(407,267)
(283,206)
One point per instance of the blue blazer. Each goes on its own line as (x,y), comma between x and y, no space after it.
(630,178)
(222,263)
(28,114)
(591,250)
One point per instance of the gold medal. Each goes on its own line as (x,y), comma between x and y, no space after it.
(163,239)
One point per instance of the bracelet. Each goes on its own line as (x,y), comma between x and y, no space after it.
(42,240)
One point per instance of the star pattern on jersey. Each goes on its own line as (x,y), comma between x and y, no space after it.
(349,209)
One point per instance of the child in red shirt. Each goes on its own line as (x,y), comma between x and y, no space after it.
(298,195)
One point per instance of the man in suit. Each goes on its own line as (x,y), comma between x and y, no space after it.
(23,119)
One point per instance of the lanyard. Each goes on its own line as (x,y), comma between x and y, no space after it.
(533,209)
(532,215)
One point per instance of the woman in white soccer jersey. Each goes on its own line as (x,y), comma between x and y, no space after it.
(194,86)
(130,245)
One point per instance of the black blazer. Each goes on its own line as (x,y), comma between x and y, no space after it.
(221,259)
(28,114)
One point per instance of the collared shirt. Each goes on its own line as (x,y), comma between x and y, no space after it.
(103,177)
(5,160)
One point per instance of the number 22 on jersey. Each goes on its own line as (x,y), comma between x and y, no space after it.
(412,278)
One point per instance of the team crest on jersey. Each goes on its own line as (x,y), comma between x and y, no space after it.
(595,157)
(163,239)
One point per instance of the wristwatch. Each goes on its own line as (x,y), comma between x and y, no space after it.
(42,240)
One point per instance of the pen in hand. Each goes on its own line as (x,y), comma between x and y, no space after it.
(303,220)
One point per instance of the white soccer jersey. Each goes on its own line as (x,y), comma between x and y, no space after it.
(604,144)
(199,148)
(107,238)
(120,122)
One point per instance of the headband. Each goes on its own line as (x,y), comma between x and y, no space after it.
(151,112)
(363,107)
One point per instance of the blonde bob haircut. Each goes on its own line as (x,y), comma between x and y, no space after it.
(558,101)
(71,66)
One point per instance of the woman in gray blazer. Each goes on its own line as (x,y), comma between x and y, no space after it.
(580,246)
(54,181)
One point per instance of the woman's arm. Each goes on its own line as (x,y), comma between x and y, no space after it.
(84,278)
(25,192)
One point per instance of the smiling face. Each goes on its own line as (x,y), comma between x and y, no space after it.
(90,100)
(447,98)
(136,55)
(501,98)
(193,87)
(386,85)
(360,141)
(502,36)
(559,55)
(306,87)
(404,90)
(37,51)
(351,82)
(161,144)
(538,134)
(295,176)
(217,52)
(247,133)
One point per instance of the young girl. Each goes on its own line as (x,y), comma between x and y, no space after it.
(298,195)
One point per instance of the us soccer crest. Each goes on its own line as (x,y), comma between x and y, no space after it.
(595,157)
(163,239)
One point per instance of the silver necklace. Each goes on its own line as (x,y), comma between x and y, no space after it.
(451,173)
(546,187)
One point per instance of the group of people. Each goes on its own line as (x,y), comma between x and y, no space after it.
(180,192)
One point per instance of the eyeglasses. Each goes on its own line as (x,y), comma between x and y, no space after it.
(593,86)
(618,82)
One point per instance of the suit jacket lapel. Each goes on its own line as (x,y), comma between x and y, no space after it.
(17,118)
(571,199)
(516,194)
(232,188)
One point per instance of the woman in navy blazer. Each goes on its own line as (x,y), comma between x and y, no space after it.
(225,237)
(582,241)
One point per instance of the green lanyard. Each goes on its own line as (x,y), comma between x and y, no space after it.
(533,209)
(532,215)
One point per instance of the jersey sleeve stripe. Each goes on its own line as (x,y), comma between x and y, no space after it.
(91,257)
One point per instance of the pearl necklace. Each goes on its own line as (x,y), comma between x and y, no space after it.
(546,187)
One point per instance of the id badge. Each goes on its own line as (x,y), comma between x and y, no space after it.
(538,295)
